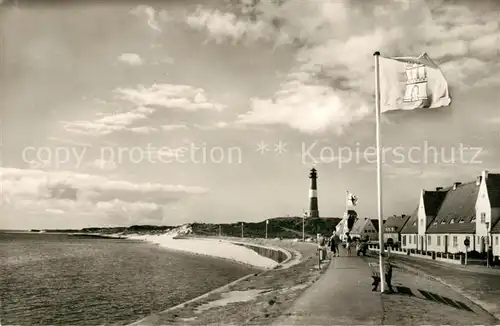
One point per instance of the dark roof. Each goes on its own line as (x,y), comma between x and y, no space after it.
(457,210)
(411,226)
(493,186)
(396,221)
(433,201)
(496,225)
(375,223)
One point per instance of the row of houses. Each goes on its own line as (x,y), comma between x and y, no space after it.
(446,216)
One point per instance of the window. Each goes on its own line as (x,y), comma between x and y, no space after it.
(404,240)
(429,240)
(422,222)
(414,223)
(443,222)
(455,241)
(438,240)
(496,240)
(483,217)
(409,239)
(452,221)
(435,223)
(415,239)
(473,219)
(461,220)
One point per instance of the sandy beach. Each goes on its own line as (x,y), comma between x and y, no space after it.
(219,248)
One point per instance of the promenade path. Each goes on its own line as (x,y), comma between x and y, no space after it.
(343,296)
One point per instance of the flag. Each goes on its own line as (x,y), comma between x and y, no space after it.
(408,83)
(352,200)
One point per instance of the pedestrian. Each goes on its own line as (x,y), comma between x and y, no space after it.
(334,244)
(348,244)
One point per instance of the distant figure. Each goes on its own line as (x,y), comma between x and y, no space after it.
(334,244)
(348,244)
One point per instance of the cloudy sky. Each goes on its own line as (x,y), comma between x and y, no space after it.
(170,112)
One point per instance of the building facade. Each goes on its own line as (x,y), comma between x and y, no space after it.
(393,227)
(365,228)
(446,217)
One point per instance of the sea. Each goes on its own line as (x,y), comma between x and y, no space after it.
(54,279)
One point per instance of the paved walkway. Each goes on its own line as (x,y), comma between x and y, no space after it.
(342,296)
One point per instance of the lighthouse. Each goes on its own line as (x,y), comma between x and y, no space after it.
(313,194)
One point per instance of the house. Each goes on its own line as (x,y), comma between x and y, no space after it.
(409,232)
(495,235)
(488,212)
(455,220)
(393,226)
(429,205)
(365,227)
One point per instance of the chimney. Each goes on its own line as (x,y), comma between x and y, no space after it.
(478,180)
(456,184)
(439,188)
(484,174)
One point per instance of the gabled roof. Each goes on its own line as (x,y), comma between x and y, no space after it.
(433,201)
(360,225)
(411,226)
(457,210)
(396,221)
(493,186)
(496,225)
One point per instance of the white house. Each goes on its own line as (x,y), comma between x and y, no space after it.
(366,227)
(430,202)
(393,227)
(455,220)
(409,232)
(488,212)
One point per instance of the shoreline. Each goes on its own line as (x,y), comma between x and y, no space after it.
(256,298)
(289,261)
(212,247)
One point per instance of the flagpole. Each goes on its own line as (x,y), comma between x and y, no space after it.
(267,222)
(379,172)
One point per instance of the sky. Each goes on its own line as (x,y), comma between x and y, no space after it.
(170,112)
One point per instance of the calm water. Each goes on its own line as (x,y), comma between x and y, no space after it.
(59,279)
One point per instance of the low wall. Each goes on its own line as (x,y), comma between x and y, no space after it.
(454,258)
(276,254)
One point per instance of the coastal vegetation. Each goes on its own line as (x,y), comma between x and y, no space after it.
(279,227)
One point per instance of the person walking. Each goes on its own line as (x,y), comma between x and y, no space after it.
(334,244)
(348,244)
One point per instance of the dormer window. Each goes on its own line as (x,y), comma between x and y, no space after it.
(435,223)
(414,223)
(461,220)
(443,222)
(452,221)
(473,219)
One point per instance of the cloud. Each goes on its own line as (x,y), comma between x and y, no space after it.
(68,142)
(170,96)
(62,191)
(150,14)
(143,130)
(101,164)
(109,123)
(131,58)
(173,127)
(331,85)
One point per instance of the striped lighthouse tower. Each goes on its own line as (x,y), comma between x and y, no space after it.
(313,194)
